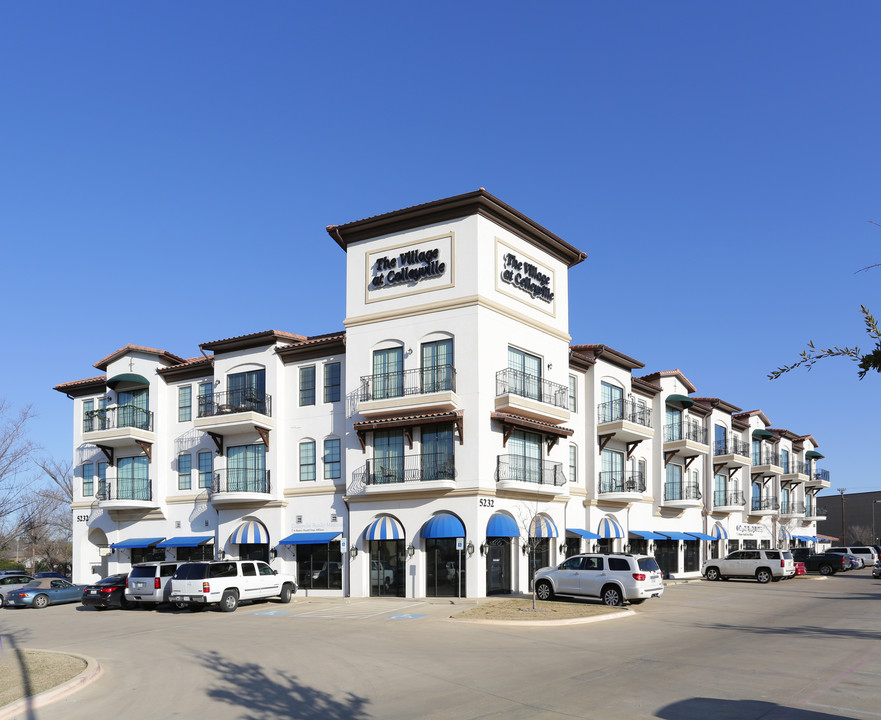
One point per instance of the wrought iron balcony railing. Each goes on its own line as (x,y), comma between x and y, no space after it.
(812,512)
(822,475)
(682,491)
(628,410)
(234,401)
(765,503)
(240,480)
(515,382)
(728,499)
(767,456)
(126,489)
(685,431)
(418,381)
(732,445)
(618,481)
(792,508)
(115,418)
(531,470)
(406,468)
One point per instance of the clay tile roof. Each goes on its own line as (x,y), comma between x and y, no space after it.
(670,373)
(717,403)
(162,354)
(76,384)
(192,362)
(608,354)
(257,339)
(756,413)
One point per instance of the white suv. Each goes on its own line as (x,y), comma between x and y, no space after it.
(613,578)
(763,565)
(228,582)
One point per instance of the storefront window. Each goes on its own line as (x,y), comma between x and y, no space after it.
(445,568)
(195,554)
(387,568)
(320,567)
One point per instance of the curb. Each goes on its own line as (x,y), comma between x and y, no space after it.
(542,623)
(22,707)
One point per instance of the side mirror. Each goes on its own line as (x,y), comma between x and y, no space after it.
(275,572)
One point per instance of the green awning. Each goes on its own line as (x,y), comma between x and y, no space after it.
(126,381)
(682,400)
(813,454)
(763,435)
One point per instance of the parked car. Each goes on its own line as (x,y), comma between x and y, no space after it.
(381,573)
(866,553)
(763,565)
(12,582)
(41,592)
(149,583)
(876,570)
(800,569)
(228,582)
(613,578)
(107,593)
(823,563)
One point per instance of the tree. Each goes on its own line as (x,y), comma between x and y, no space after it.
(867,361)
(16,450)
(860,535)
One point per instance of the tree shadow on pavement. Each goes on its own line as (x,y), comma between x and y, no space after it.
(11,645)
(797,630)
(720,709)
(276,694)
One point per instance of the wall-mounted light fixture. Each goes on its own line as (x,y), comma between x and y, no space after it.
(550,366)
(353,553)
(411,551)
(273,553)
(469,548)
(483,548)
(223,554)
(563,548)
(526,549)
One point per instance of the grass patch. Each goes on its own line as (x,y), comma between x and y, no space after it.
(32,672)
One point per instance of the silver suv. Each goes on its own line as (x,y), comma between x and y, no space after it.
(763,565)
(150,582)
(863,552)
(613,578)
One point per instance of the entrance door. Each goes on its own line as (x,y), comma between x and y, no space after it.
(387,565)
(692,556)
(498,566)
(539,556)
(667,555)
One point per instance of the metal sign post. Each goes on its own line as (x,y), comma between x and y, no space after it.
(460,543)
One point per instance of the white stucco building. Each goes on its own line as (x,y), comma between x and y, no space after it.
(448,440)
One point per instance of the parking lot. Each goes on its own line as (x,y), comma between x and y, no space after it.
(804,649)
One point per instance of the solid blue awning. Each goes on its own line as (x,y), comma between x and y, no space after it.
(673,535)
(702,536)
(805,538)
(646,535)
(313,538)
(501,525)
(250,532)
(137,542)
(384,528)
(586,534)
(194,541)
(443,525)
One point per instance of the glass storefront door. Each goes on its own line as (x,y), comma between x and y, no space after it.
(539,556)
(388,562)
(445,568)
(498,566)
(692,556)
(667,555)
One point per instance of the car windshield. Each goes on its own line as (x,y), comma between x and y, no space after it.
(648,563)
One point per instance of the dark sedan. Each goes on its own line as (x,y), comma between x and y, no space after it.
(107,593)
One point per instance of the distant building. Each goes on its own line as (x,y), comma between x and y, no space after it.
(862,517)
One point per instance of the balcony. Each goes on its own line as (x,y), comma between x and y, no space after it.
(815,513)
(731,452)
(682,495)
(425,471)
(792,509)
(687,439)
(728,501)
(532,397)
(234,411)
(620,486)
(126,494)
(626,419)
(764,506)
(794,471)
(420,390)
(820,479)
(118,426)
(518,472)
(240,485)
(767,462)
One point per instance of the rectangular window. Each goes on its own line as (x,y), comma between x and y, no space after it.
(611,402)
(573,463)
(332,382)
(133,479)
(784,461)
(246,469)
(88,415)
(437,366)
(524,374)
(388,373)
(184,472)
(673,488)
(438,459)
(88,479)
(307,460)
(307,385)
(573,394)
(102,478)
(185,403)
(320,566)
(388,456)
(206,399)
(332,465)
(206,469)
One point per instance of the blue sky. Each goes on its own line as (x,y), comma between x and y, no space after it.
(167,171)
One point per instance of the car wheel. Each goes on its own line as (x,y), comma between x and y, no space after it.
(180,605)
(229,601)
(544,591)
(126,604)
(41,601)
(1,600)
(825,570)
(713,574)
(286,592)
(612,596)
(763,575)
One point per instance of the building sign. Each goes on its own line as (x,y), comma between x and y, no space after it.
(410,268)
(525,279)
(746,531)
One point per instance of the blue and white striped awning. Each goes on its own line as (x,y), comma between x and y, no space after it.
(501,525)
(384,528)
(609,528)
(443,525)
(718,532)
(785,535)
(586,534)
(543,527)
(250,532)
